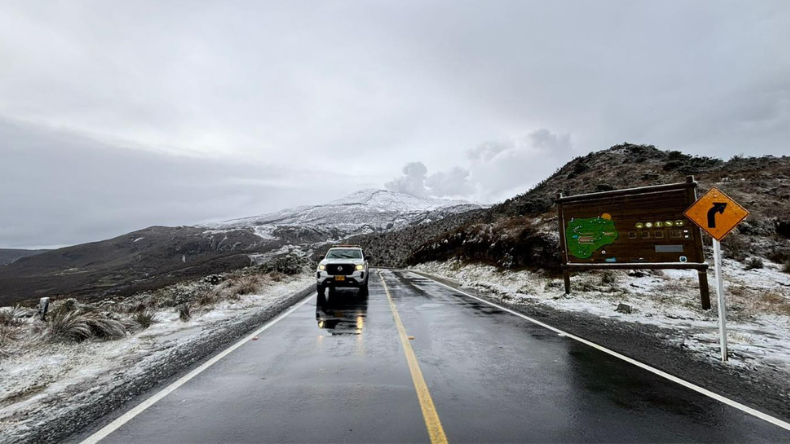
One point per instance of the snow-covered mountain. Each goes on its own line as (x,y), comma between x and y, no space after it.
(364,211)
(157,256)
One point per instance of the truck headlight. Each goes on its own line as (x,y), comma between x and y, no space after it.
(322,267)
(360,267)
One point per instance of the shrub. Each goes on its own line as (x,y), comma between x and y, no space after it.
(185,312)
(608,277)
(214,279)
(250,284)
(289,264)
(754,263)
(69,304)
(735,247)
(207,297)
(144,318)
(786,267)
(676,155)
(672,165)
(11,316)
(783,228)
(578,168)
(779,255)
(604,187)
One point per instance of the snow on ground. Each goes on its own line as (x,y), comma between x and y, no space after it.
(758,303)
(262,258)
(35,379)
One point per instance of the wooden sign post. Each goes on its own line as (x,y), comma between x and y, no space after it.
(718,215)
(637,228)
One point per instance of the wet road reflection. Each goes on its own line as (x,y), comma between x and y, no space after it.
(342,313)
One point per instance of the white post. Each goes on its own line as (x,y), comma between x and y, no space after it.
(722,308)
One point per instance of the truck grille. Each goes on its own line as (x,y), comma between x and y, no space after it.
(339,269)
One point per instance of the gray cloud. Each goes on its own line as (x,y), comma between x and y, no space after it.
(416,182)
(58,188)
(494,170)
(507,167)
(412,181)
(455,182)
(284,98)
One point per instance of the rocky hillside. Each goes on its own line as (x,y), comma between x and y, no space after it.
(521,232)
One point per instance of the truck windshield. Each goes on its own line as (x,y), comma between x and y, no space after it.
(344,254)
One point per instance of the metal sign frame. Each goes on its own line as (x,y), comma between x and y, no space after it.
(690,188)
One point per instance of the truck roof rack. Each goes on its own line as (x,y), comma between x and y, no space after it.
(345,246)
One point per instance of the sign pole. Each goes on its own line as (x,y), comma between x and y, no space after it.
(718,214)
(722,308)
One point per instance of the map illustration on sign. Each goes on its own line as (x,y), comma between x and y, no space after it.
(585,236)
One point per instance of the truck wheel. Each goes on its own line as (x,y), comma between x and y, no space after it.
(320,289)
(363,290)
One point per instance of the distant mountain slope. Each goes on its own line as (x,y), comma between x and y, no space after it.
(365,211)
(139,260)
(519,232)
(8,255)
(157,256)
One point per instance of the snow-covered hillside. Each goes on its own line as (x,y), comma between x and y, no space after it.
(362,212)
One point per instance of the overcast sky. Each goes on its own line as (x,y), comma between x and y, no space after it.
(117,115)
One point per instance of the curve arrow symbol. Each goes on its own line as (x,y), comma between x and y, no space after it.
(718,207)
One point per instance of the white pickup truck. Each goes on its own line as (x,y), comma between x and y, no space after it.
(343,266)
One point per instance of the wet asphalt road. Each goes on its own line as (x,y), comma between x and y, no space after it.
(334,370)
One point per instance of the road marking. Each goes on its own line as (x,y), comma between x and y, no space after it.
(128,416)
(435,430)
(683,382)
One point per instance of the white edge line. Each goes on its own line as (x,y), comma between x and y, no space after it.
(684,383)
(126,417)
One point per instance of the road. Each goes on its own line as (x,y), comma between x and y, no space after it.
(417,362)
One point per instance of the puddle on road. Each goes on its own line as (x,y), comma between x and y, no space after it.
(342,313)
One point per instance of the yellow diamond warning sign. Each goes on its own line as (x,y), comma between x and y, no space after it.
(716,213)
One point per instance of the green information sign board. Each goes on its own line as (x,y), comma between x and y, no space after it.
(635,228)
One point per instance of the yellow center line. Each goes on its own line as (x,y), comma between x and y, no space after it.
(434,426)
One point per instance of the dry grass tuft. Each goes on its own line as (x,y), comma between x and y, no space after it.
(674,286)
(12,316)
(277,276)
(250,284)
(774,302)
(8,335)
(144,318)
(185,312)
(77,326)
(772,298)
(208,297)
